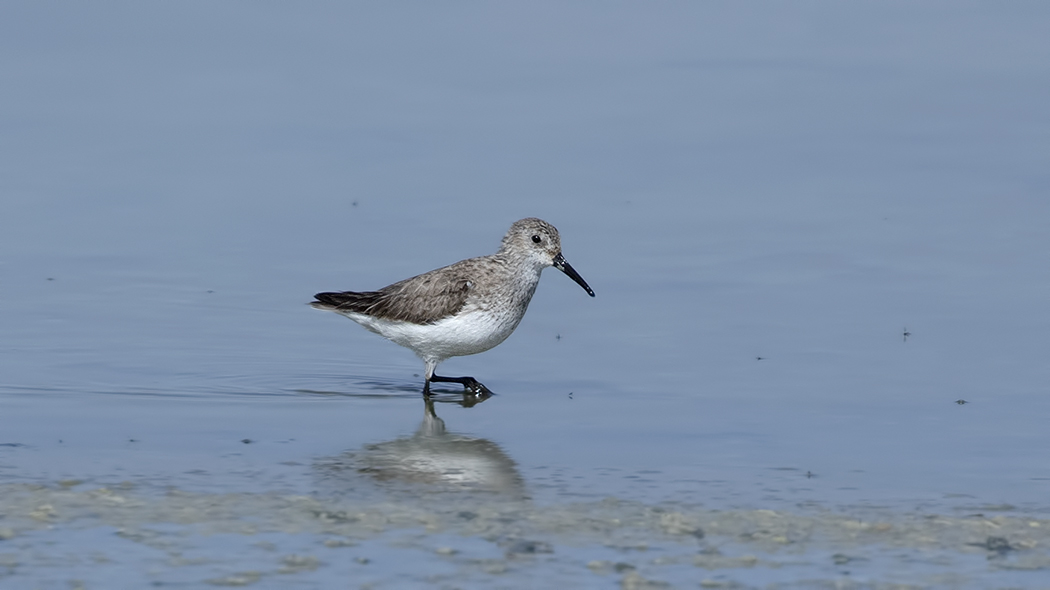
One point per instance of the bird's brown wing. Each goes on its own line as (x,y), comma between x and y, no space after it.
(423,299)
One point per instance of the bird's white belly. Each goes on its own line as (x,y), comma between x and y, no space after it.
(459,335)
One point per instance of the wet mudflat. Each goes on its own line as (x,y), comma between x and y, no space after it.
(179,538)
(815,359)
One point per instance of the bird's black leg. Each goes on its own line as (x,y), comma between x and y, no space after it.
(467,382)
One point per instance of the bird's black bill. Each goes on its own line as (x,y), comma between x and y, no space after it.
(565,267)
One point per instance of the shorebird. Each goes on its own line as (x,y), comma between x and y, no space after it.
(461,309)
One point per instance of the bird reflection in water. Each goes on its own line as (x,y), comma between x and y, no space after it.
(433,460)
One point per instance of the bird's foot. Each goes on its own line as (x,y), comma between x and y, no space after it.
(477,388)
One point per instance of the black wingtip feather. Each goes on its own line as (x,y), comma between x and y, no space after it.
(329,298)
(345,301)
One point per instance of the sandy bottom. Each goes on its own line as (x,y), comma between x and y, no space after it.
(70,535)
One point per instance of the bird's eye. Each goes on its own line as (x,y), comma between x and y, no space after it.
(536,239)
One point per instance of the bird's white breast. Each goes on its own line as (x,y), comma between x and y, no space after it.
(469,332)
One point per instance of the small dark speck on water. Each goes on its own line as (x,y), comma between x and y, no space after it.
(810,475)
(961,401)
(247,441)
(50,278)
(570,395)
(760,358)
(353,204)
(210,291)
(998,545)
(133,440)
(557,336)
(529,548)
(906,334)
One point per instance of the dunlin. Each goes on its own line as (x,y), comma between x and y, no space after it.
(464,308)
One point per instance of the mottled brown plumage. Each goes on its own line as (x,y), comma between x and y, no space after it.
(422,299)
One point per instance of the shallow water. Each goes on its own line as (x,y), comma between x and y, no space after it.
(764,202)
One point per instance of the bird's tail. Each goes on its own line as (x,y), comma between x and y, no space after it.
(345,301)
